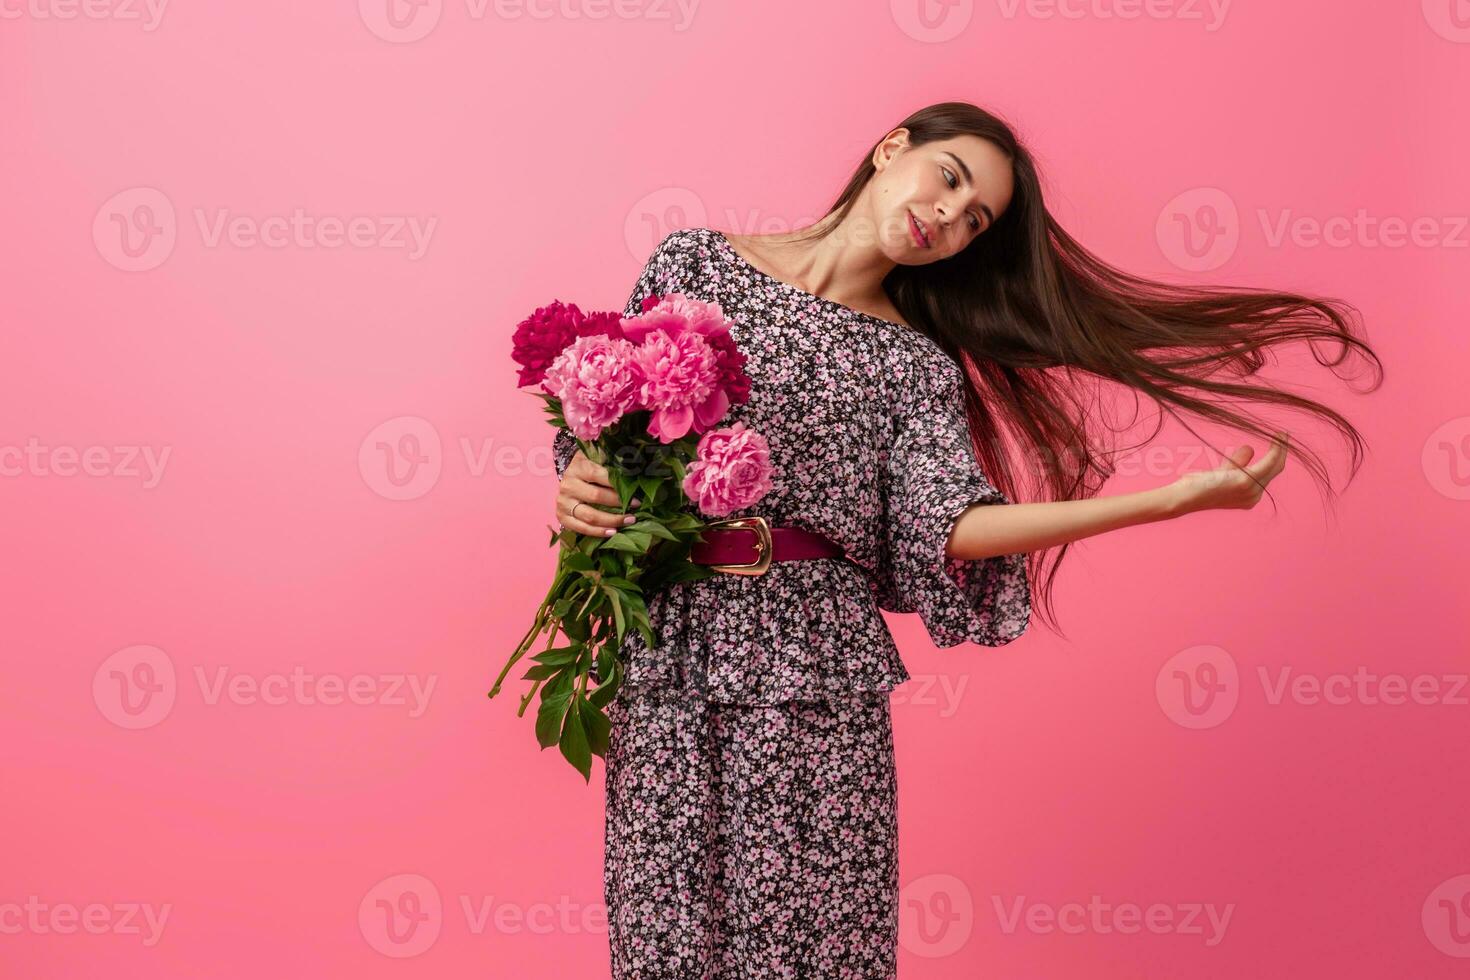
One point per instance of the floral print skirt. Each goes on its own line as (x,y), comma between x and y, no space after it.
(751,841)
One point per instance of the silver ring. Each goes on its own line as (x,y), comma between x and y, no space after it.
(575,506)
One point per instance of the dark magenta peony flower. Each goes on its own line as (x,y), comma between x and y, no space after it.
(542,336)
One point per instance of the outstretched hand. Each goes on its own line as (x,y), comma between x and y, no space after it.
(1236,484)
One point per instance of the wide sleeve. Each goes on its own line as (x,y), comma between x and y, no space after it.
(656,277)
(929,477)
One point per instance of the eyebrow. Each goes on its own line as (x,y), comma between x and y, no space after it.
(970,179)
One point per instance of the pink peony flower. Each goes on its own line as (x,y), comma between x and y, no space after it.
(595,380)
(678,378)
(732,470)
(675,313)
(692,371)
(540,337)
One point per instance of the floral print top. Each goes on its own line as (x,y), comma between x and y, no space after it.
(866,425)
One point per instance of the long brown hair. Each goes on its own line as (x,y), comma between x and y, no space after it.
(1033,319)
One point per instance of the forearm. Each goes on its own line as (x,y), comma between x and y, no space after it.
(987,530)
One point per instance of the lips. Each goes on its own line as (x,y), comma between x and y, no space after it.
(920,231)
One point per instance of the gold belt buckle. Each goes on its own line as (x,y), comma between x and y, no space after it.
(762,531)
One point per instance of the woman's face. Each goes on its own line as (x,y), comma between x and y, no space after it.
(955,189)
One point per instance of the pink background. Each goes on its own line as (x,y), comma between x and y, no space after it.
(550,152)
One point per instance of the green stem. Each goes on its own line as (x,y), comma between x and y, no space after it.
(526,701)
(543,616)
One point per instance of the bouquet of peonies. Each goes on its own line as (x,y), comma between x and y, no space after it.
(642,395)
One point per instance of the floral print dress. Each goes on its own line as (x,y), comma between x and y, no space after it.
(751,817)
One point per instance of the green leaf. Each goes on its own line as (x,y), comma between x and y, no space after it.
(622,541)
(617,607)
(684,523)
(541,671)
(654,528)
(558,655)
(608,689)
(548,721)
(575,628)
(690,572)
(597,725)
(636,605)
(560,686)
(648,489)
(574,744)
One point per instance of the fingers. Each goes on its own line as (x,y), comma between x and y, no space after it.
(1274,461)
(584,469)
(589,519)
(1242,455)
(589,493)
(587,484)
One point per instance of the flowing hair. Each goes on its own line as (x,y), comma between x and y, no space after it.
(1035,321)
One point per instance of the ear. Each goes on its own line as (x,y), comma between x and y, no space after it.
(890,145)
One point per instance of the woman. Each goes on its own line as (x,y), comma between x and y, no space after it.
(751,816)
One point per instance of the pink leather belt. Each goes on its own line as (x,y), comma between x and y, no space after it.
(748,545)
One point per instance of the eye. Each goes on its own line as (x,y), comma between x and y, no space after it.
(952,181)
